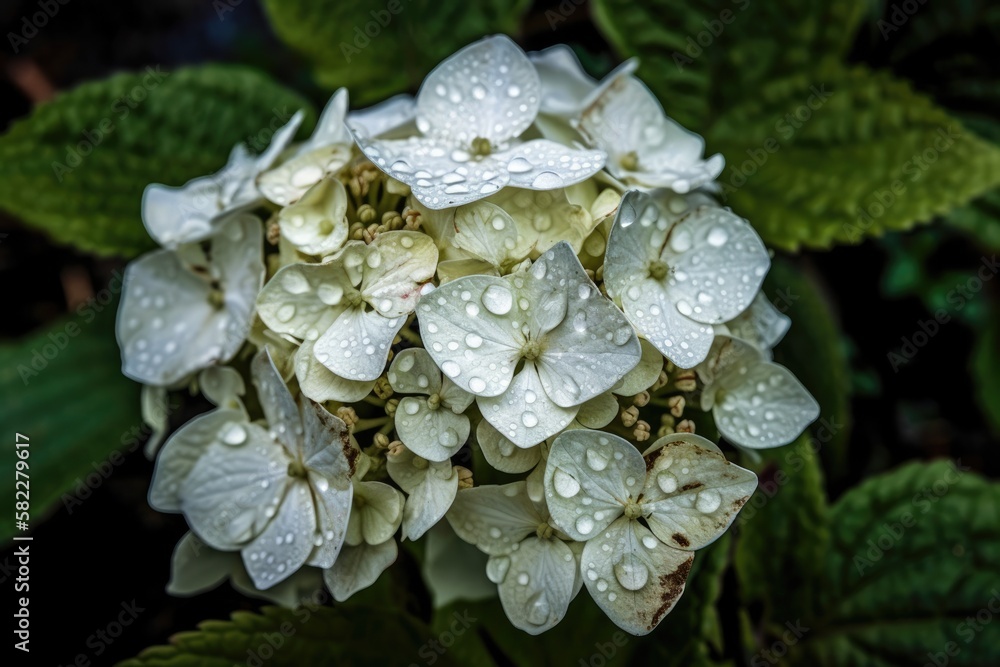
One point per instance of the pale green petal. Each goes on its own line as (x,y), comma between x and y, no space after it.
(503,454)
(317,223)
(358,568)
(494,518)
(320,384)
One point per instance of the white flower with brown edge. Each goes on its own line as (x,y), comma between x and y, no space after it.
(641,516)
(532,346)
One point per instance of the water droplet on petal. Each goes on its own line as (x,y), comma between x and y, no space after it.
(498,299)
(584,525)
(708,501)
(565,484)
(233,434)
(631,573)
(596,460)
(666,482)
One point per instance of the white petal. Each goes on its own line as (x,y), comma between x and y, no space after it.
(429,166)
(326,445)
(503,454)
(356,346)
(543,218)
(469,315)
(564,82)
(454,397)
(761,324)
(182,451)
(640,232)
(591,349)
(223,386)
(280,410)
(384,116)
(541,164)
(358,567)
(376,513)
(333,510)
(644,375)
(414,372)
(589,477)
(317,223)
(180,215)
(166,327)
(488,232)
(626,118)
(692,492)
(396,266)
(524,414)
(432,488)
(303,300)
(320,384)
(299,590)
(717,264)
(765,407)
(599,411)
(650,308)
(330,128)
(538,586)
(233,490)
(634,578)
(286,543)
(288,183)
(494,518)
(435,434)
(195,567)
(487,90)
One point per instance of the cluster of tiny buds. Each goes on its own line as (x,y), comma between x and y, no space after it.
(641,432)
(363,174)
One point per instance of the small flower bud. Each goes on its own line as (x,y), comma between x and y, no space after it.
(366,213)
(464,477)
(641,432)
(395,448)
(685,426)
(273,232)
(355,231)
(641,399)
(369,233)
(676,405)
(382,388)
(381,441)
(390,406)
(664,430)
(630,416)
(661,381)
(686,381)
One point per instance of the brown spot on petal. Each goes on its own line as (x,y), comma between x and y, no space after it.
(680,539)
(671,587)
(691,486)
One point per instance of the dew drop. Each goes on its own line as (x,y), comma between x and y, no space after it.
(565,484)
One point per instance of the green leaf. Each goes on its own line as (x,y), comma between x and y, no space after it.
(684,637)
(912,562)
(812,349)
(312,635)
(77,166)
(782,538)
(377,48)
(985,368)
(801,166)
(64,390)
(871,157)
(980,219)
(700,57)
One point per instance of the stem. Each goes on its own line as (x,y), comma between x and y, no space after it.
(365,424)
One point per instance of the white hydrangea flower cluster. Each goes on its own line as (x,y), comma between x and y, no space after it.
(518,277)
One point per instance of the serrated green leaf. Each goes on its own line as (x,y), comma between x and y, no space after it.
(77,166)
(342,635)
(782,538)
(64,390)
(912,561)
(873,156)
(700,57)
(377,48)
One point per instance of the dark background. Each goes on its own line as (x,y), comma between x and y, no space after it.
(114,549)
